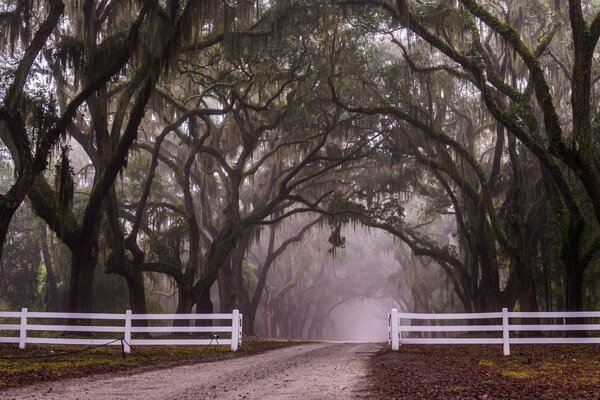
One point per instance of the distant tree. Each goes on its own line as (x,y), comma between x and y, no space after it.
(21,270)
(262,273)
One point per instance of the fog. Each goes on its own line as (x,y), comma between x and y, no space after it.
(362,320)
(314,292)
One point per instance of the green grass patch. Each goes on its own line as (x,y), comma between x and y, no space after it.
(518,374)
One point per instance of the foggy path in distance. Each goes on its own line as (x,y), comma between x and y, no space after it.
(361,320)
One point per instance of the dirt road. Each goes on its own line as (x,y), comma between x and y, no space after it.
(312,371)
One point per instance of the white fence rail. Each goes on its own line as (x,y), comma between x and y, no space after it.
(120,323)
(500,323)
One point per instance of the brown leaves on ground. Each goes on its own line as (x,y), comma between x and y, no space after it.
(45,363)
(482,372)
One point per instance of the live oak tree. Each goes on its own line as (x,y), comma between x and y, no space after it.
(524,90)
(115,102)
(176,129)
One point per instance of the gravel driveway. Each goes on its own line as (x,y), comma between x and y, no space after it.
(311,371)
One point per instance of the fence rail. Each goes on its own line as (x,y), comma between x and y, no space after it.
(500,323)
(120,323)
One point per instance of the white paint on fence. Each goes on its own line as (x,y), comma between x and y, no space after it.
(23,329)
(235,330)
(396,328)
(505,332)
(125,328)
(127,333)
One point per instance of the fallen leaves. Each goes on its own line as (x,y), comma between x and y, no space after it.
(482,372)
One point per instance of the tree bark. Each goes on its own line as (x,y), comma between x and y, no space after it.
(53,302)
(81,283)
(204,305)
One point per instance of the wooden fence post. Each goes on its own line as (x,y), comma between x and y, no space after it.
(505,332)
(235,330)
(240,333)
(394,322)
(127,332)
(23,330)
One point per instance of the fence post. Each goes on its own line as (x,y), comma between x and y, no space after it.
(235,330)
(390,329)
(505,332)
(127,333)
(23,330)
(394,329)
(241,325)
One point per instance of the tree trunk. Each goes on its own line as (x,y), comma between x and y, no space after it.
(185,304)
(574,286)
(574,270)
(81,284)
(204,305)
(268,315)
(226,286)
(137,291)
(231,285)
(131,271)
(242,301)
(53,303)
(527,290)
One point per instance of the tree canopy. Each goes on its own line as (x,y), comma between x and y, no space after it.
(184,145)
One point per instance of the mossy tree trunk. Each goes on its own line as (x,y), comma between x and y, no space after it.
(81,284)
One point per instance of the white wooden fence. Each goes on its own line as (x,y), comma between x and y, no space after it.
(502,327)
(123,325)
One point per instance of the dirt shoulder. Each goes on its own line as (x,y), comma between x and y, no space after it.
(482,372)
(48,363)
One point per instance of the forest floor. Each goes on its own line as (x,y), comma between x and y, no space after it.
(482,372)
(36,364)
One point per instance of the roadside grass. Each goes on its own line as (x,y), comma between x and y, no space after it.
(38,363)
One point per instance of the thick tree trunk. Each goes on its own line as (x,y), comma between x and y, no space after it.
(573,269)
(6,213)
(527,289)
(242,301)
(216,258)
(574,286)
(81,284)
(185,304)
(53,303)
(231,285)
(137,290)
(227,296)
(489,287)
(204,305)
(260,286)
(548,298)
(131,271)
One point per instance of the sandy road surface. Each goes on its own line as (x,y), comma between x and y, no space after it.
(313,371)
